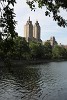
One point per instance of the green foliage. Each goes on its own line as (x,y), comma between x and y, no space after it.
(47,50)
(18,48)
(7,21)
(21,48)
(37,50)
(52,7)
(59,52)
(9,2)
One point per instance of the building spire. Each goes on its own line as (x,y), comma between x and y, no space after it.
(29,18)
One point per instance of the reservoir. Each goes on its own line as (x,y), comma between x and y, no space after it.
(34,82)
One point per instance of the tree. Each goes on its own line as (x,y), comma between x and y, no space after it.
(21,48)
(7,15)
(37,50)
(52,7)
(7,23)
(59,52)
(47,50)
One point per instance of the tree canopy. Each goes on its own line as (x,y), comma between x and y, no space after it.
(7,22)
(7,14)
(52,7)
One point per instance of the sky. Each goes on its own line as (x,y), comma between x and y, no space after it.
(48,26)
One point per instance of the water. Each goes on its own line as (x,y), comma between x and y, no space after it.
(35,82)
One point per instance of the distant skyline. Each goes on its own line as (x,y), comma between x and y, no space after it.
(48,26)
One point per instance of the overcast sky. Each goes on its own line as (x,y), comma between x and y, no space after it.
(48,26)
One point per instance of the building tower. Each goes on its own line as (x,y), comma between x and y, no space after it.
(36,31)
(28,30)
(53,41)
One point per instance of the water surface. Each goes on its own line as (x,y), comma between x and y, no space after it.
(35,82)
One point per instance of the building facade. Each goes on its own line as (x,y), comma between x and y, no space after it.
(53,41)
(36,31)
(32,33)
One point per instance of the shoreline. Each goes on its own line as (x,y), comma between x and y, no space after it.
(28,62)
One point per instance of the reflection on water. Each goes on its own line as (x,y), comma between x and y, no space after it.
(38,82)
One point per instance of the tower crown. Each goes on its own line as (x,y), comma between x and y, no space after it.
(37,24)
(29,18)
(29,22)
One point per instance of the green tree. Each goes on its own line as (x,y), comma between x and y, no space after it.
(52,7)
(1,50)
(47,50)
(7,23)
(37,50)
(59,52)
(7,15)
(21,48)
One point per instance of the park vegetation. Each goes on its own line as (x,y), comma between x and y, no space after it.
(14,47)
(19,49)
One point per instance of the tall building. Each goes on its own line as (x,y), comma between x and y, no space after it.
(28,30)
(36,31)
(32,33)
(53,41)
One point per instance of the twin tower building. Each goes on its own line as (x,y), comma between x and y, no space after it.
(32,33)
